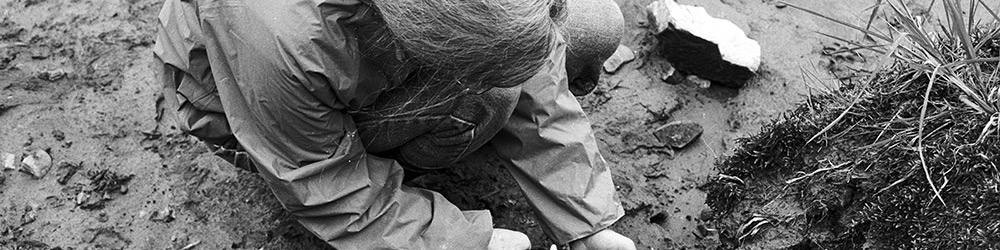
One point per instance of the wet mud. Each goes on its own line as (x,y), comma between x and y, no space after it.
(76,81)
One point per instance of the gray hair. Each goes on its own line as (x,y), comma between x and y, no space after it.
(473,42)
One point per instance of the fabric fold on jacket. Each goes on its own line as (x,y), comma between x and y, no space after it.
(554,158)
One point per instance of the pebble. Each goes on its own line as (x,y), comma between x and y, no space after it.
(672,77)
(678,134)
(621,56)
(166,215)
(38,163)
(9,161)
(52,75)
(700,83)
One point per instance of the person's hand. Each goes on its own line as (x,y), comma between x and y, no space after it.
(504,239)
(603,240)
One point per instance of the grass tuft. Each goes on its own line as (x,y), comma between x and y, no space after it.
(907,157)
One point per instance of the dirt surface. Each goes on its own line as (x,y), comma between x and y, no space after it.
(75,81)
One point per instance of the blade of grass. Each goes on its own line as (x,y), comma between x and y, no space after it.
(990,10)
(975,95)
(837,120)
(917,33)
(993,122)
(973,61)
(965,99)
(872,47)
(892,51)
(866,31)
(962,33)
(920,137)
(988,38)
(887,124)
(875,9)
(972,16)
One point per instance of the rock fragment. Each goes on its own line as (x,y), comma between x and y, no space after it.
(697,81)
(30,214)
(52,75)
(678,134)
(9,161)
(71,170)
(166,215)
(38,163)
(699,44)
(621,56)
(672,77)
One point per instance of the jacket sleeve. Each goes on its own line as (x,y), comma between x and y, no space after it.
(279,103)
(553,156)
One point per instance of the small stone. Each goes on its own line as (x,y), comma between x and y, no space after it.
(38,163)
(166,215)
(672,77)
(9,161)
(52,75)
(81,197)
(701,231)
(699,44)
(678,134)
(780,5)
(621,56)
(58,135)
(700,83)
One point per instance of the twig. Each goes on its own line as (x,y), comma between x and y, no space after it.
(192,245)
(10,45)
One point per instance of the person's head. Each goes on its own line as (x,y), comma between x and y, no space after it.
(474,43)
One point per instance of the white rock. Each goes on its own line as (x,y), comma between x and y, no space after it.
(9,161)
(38,163)
(700,44)
(734,45)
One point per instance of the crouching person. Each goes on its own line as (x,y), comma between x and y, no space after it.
(335,102)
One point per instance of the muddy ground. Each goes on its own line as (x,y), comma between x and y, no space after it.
(141,184)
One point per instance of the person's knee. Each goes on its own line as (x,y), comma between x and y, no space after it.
(593,30)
